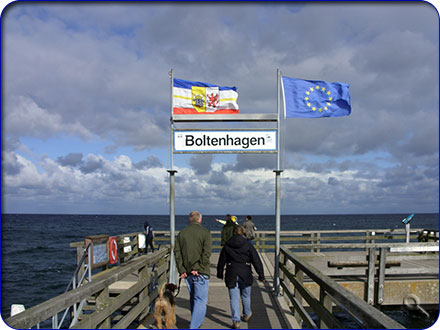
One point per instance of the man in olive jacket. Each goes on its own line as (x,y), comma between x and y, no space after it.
(192,252)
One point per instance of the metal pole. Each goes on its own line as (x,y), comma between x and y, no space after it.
(171,74)
(408,231)
(89,264)
(279,119)
(276,280)
(173,273)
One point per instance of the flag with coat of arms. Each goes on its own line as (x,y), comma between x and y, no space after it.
(194,97)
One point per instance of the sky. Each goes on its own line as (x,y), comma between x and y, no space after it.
(86,106)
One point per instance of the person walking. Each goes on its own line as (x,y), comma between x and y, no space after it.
(148,237)
(228,229)
(250,228)
(192,253)
(238,254)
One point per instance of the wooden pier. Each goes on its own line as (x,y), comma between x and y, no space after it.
(266,311)
(359,272)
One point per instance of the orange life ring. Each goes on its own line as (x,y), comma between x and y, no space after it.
(112,250)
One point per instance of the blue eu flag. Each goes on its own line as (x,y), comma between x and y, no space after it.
(314,98)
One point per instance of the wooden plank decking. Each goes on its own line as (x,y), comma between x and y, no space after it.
(265,307)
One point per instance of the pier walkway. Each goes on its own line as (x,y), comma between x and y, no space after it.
(265,307)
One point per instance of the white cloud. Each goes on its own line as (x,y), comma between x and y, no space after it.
(26,118)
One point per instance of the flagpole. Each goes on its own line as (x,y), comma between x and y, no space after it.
(276,281)
(279,118)
(171,74)
(172,171)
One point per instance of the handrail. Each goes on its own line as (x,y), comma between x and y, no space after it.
(265,240)
(331,291)
(99,287)
(360,245)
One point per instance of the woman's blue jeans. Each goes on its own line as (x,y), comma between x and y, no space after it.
(198,298)
(240,291)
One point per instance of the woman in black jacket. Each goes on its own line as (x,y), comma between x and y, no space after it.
(238,254)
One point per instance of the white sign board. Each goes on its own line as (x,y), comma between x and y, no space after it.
(225,141)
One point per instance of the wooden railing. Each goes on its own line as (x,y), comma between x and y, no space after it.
(373,265)
(103,308)
(265,240)
(330,293)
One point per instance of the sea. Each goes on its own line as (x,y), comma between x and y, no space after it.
(37,262)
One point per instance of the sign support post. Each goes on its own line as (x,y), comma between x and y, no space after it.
(173,273)
(226,141)
(278,171)
(172,171)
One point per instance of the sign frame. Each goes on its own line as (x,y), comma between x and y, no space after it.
(232,150)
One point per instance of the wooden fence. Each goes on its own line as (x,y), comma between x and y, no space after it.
(265,240)
(330,293)
(104,308)
(374,265)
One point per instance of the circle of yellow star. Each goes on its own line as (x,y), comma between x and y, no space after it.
(321,106)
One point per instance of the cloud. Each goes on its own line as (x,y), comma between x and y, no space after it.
(103,91)
(11,164)
(218,178)
(92,164)
(29,119)
(115,186)
(12,144)
(252,161)
(151,161)
(96,185)
(99,72)
(71,159)
(332,181)
(201,163)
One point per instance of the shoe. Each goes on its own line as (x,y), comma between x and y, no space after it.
(247,317)
(235,325)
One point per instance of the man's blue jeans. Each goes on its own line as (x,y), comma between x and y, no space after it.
(198,298)
(243,291)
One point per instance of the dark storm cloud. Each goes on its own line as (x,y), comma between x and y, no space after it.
(201,163)
(332,181)
(251,162)
(401,175)
(12,144)
(71,159)
(10,164)
(91,165)
(218,178)
(151,161)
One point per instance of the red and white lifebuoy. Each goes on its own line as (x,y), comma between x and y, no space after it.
(112,250)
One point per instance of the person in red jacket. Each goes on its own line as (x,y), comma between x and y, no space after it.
(238,255)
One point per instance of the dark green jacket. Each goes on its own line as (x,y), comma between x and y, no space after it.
(193,249)
(227,231)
